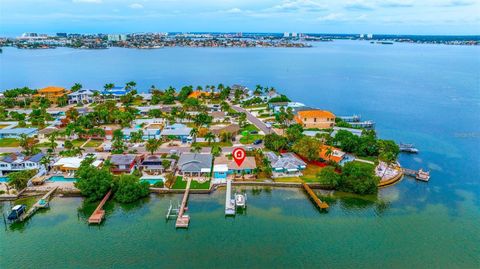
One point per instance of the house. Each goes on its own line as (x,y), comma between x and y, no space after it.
(70,165)
(224,167)
(194,164)
(329,153)
(82,96)
(315,118)
(147,133)
(17,132)
(198,94)
(285,164)
(233,129)
(217,116)
(123,163)
(15,162)
(115,92)
(154,164)
(277,106)
(357,132)
(45,132)
(52,93)
(178,131)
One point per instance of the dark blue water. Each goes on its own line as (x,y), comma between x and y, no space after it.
(428,95)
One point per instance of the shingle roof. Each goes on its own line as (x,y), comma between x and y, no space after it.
(194,162)
(248,163)
(122,159)
(284,161)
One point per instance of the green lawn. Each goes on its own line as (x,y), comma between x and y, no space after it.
(93,143)
(78,142)
(369,165)
(9,142)
(310,173)
(43,145)
(221,144)
(249,128)
(288,180)
(250,138)
(180,184)
(256,106)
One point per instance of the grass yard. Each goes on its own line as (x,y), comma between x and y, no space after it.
(9,142)
(310,173)
(250,138)
(93,143)
(180,184)
(78,142)
(288,180)
(249,128)
(221,144)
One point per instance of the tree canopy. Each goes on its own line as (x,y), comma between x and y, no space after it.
(129,188)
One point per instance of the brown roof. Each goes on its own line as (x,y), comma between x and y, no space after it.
(217,114)
(248,163)
(232,128)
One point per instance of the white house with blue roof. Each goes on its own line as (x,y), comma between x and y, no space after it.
(17,132)
(18,162)
(179,131)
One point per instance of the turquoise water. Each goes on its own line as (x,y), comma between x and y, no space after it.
(3,179)
(62,179)
(428,95)
(152,181)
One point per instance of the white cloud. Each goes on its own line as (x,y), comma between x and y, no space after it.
(88,1)
(136,6)
(234,10)
(295,5)
(331,17)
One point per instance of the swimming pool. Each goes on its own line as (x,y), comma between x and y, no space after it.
(62,179)
(3,179)
(152,180)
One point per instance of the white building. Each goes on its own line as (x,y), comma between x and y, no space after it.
(18,162)
(83,96)
(116,37)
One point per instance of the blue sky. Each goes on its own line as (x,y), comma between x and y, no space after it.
(311,16)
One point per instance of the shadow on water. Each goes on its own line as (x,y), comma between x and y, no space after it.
(355,202)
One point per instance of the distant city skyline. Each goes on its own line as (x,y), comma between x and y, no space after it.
(428,17)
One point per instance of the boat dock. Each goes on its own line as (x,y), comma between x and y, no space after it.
(99,213)
(42,203)
(353,118)
(183,220)
(420,174)
(322,205)
(229,202)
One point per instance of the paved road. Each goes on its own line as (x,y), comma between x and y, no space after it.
(260,124)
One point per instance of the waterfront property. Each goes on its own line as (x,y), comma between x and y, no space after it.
(52,93)
(329,153)
(69,165)
(178,131)
(277,106)
(195,164)
(154,164)
(17,132)
(15,162)
(115,92)
(315,118)
(123,163)
(82,96)
(225,167)
(285,164)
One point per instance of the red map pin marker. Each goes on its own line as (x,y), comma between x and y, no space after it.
(239,155)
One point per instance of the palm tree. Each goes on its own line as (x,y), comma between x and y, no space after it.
(45,161)
(328,152)
(193,134)
(76,87)
(51,139)
(152,145)
(196,148)
(209,137)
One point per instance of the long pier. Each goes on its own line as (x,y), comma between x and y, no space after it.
(184,220)
(99,213)
(322,205)
(229,203)
(42,203)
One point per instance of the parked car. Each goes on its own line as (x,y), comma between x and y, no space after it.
(254,132)
(258,142)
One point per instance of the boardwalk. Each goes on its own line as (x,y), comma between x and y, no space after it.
(318,202)
(184,220)
(229,202)
(42,203)
(99,213)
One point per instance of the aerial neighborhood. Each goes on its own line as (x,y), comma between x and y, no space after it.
(89,141)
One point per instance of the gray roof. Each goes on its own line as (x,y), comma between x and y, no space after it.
(176,130)
(284,161)
(122,159)
(19,156)
(194,162)
(18,131)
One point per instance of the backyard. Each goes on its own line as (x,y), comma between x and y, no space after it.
(9,142)
(180,184)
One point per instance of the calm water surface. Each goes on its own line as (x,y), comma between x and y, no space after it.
(423,94)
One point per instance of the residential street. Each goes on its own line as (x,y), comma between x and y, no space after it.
(254,120)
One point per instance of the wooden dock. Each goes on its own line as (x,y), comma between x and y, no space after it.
(42,203)
(99,213)
(322,205)
(184,220)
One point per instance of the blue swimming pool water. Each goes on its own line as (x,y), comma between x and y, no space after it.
(62,179)
(152,181)
(3,179)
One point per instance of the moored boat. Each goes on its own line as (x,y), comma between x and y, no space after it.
(16,212)
(410,148)
(423,175)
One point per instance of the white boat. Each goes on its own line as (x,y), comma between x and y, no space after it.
(240,200)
